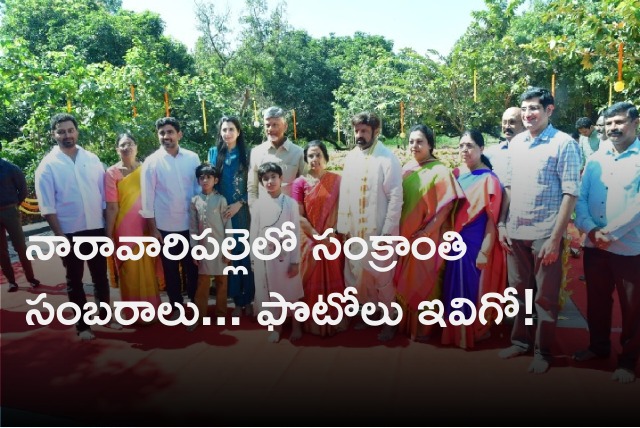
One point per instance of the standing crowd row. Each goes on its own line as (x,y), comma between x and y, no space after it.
(511,204)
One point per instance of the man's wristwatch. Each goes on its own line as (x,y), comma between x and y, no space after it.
(501,224)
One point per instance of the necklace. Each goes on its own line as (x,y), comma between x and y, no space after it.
(426,161)
(279,214)
(126,170)
(313,180)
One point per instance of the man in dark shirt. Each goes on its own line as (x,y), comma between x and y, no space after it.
(13,190)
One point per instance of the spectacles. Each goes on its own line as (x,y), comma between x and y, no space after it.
(532,109)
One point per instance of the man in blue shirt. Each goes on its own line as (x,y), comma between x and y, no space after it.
(608,210)
(541,187)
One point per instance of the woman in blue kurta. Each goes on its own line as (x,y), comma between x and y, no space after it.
(231,157)
(482,269)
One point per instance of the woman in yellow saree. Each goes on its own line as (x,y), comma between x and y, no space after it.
(430,192)
(138,280)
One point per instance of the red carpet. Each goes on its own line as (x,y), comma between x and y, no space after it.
(225,376)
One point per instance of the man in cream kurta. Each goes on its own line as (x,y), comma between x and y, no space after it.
(276,148)
(370,205)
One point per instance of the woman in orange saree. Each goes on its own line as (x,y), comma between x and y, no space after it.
(430,192)
(138,280)
(317,197)
(482,269)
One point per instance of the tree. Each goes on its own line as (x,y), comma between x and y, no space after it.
(99,30)
(497,82)
(214,44)
(588,38)
(303,80)
(383,80)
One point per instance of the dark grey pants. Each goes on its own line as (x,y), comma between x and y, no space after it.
(526,271)
(10,222)
(605,272)
(75,271)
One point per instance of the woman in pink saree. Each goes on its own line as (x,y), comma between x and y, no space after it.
(317,197)
(138,280)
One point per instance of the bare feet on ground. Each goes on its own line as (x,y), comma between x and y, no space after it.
(623,376)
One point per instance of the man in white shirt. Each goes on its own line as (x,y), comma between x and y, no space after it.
(168,182)
(278,149)
(497,154)
(70,190)
(370,205)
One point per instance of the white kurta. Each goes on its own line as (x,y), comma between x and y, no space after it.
(370,205)
(271,275)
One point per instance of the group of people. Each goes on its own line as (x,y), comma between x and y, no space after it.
(548,178)
(510,203)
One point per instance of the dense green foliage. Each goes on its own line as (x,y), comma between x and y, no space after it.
(88,53)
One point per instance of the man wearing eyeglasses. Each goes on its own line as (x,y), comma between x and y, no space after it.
(541,187)
(608,211)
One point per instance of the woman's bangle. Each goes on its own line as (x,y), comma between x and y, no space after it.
(501,224)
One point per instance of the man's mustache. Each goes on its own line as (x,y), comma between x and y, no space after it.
(361,141)
(614,133)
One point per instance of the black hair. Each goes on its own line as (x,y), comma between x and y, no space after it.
(207,169)
(546,99)
(240,145)
(316,143)
(126,134)
(477,138)
(62,117)
(622,107)
(584,122)
(269,167)
(428,134)
(168,121)
(366,118)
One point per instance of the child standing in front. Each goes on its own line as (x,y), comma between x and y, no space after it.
(280,274)
(207,211)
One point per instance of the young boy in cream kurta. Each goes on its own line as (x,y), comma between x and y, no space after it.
(281,274)
(207,211)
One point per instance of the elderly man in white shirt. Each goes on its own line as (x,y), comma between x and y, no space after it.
(70,190)
(511,126)
(168,183)
(278,149)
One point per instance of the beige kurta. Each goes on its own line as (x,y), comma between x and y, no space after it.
(207,211)
(271,275)
(370,205)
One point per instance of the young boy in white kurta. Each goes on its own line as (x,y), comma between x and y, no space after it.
(281,274)
(207,211)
